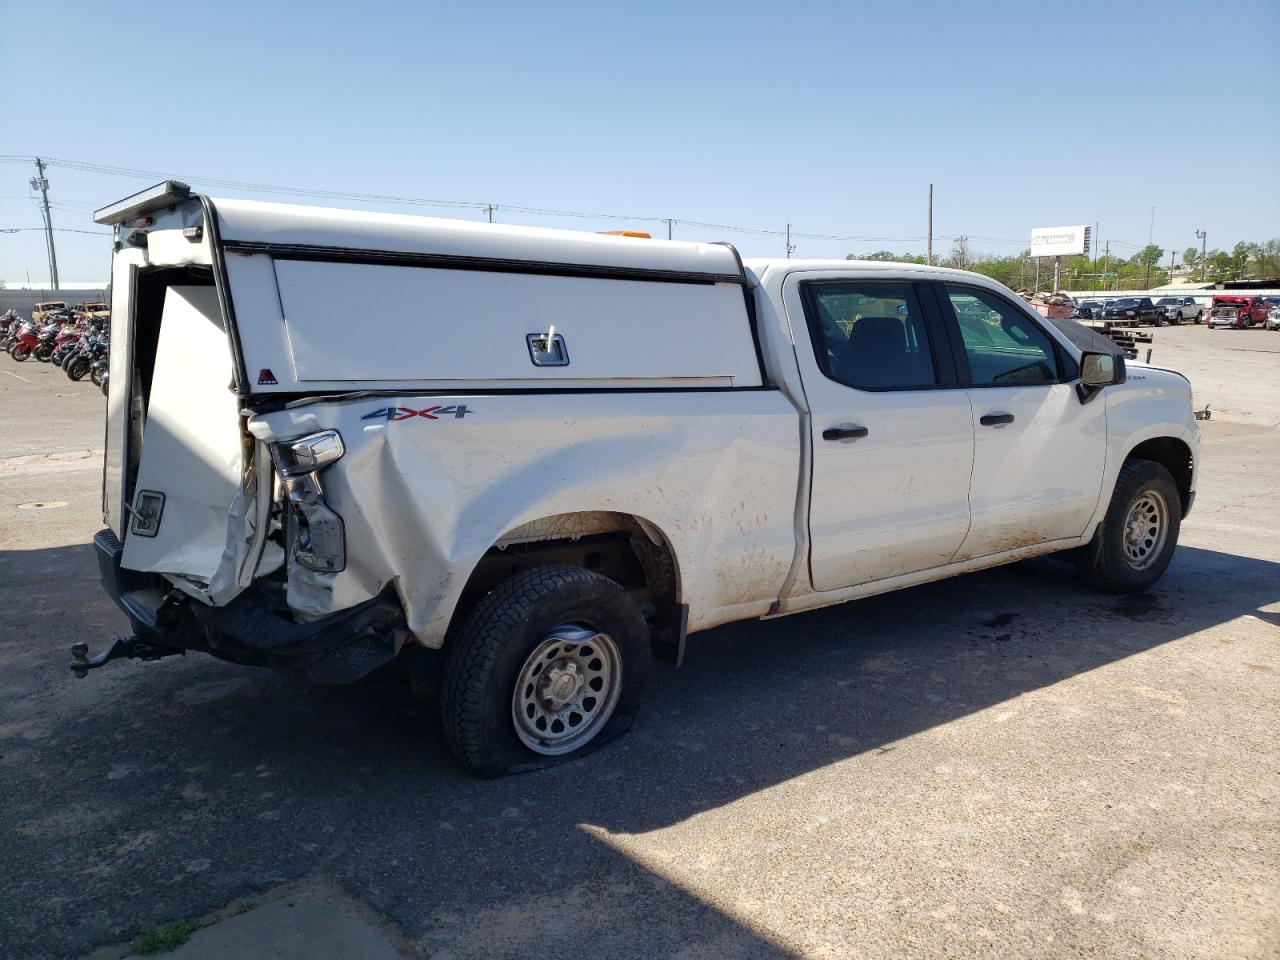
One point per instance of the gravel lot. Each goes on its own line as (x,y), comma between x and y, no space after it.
(1006,764)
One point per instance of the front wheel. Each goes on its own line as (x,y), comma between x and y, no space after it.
(77,367)
(551,664)
(1136,539)
(20,351)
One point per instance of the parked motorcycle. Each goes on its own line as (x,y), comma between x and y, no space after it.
(24,341)
(98,368)
(9,324)
(46,340)
(94,347)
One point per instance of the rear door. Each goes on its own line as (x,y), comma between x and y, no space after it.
(1038,451)
(892,432)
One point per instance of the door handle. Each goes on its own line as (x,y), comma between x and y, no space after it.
(995,419)
(851,432)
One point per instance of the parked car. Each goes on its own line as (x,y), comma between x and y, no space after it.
(95,309)
(560,451)
(46,308)
(1273,315)
(1241,312)
(1273,303)
(1180,309)
(1088,310)
(1133,311)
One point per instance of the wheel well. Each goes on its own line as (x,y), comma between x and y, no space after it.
(626,549)
(1174,456)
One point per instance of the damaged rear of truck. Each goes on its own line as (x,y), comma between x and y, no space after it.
(331,435)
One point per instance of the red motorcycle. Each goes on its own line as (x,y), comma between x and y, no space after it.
(68,339)
(25,341)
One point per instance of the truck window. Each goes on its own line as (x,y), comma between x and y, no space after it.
(1004,347)
(870,335)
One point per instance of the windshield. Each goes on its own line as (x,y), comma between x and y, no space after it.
(1126,302)
(1090,303)
(1173,300)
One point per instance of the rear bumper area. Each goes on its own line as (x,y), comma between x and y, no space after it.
(253,628)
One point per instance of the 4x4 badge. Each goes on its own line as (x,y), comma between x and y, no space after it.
(457,411)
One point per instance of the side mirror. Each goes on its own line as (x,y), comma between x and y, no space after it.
(1098,370)
(1101,370)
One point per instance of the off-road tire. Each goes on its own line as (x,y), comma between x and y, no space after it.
(483,660)
(1102,561)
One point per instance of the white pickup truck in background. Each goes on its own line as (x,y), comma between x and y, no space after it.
(1180,309)
(528,457)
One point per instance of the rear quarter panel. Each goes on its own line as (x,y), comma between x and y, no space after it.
(423,499)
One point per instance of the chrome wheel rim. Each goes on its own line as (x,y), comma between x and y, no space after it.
(1145,529)
(566,690)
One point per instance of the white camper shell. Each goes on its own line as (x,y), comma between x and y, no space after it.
(334,437)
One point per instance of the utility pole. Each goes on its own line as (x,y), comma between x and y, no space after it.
(929,255)
(671,226)
(39,182)
(790,247)
(489,208)
(1203,237)
(1097,228)
(1106,256)
(1151,231)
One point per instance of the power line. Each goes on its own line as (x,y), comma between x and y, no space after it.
(480,206)
(92,233)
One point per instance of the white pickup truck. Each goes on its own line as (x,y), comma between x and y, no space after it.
(533,457)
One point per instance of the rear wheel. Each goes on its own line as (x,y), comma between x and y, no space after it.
(551,664)
(1136,539)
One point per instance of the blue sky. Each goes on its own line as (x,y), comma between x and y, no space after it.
(831,116)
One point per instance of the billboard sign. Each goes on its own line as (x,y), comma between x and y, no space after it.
(1059,241)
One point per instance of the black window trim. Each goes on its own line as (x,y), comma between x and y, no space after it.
(945,370)
(1068,369)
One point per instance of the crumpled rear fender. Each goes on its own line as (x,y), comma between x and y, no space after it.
(423,498)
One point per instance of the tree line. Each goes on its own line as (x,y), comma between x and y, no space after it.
(1146,268)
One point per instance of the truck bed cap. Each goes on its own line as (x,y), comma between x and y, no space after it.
(253,223)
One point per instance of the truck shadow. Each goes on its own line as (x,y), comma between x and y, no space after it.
(151,792)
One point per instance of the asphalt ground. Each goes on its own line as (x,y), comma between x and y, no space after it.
(1004,764)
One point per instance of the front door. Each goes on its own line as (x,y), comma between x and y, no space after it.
(1038,451)
(892,431)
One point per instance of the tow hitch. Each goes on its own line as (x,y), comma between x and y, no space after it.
(118,648)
